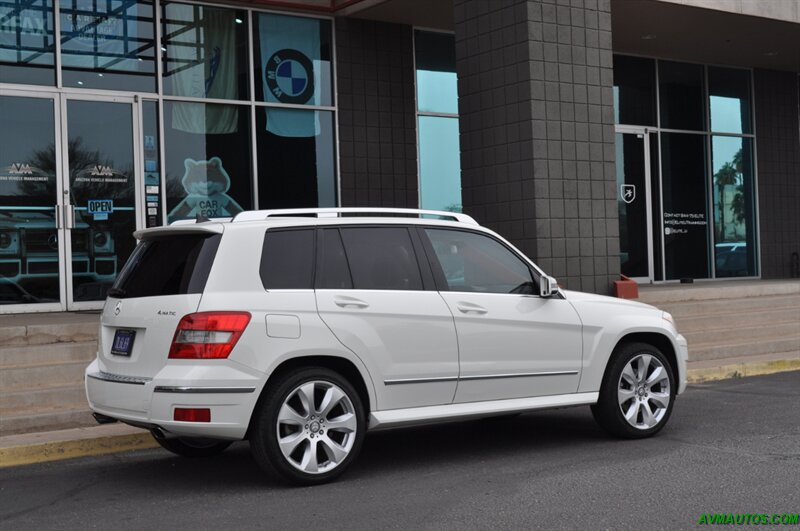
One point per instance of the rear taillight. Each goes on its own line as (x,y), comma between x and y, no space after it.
(208,335)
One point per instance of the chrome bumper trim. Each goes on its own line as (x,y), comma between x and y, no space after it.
(198,390)
(118,378)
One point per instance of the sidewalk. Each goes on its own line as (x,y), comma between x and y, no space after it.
(29,448)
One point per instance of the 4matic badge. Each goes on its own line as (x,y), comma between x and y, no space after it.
(290,76)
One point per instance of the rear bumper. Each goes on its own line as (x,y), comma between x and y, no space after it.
(229,393)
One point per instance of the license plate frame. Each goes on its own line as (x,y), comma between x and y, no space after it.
(122,345)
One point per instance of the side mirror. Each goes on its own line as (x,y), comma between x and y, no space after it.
(548,286)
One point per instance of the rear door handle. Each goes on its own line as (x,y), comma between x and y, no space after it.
(468,307)
(346,302)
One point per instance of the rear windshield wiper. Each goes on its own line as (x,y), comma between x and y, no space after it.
(116,292)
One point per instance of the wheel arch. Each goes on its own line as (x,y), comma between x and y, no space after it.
(660,341)
(343,366)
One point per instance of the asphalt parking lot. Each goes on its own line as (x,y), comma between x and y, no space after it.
(731,447)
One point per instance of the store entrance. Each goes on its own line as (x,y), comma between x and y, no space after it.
(635,202)
(69,199)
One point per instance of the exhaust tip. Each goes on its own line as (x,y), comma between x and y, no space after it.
(103,419)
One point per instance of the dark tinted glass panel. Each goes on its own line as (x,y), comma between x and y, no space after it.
(207,148)
(436,72)
(295,158)
(102,193)
(382,258)
(204,51)
(474,262)
(634,90)
(29,252)
(169,265)
(108,44)
(151,162)
(685,205)
(27,42)
(292,59)
(682,95)
(734,212)
(287,261)
(334,272)
(632,205)
(655,194)
(729,100)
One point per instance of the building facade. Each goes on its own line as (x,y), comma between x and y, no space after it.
(658,139)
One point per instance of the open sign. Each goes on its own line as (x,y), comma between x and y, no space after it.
(100,208)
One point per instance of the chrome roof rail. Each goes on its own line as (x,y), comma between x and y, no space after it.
(260,215)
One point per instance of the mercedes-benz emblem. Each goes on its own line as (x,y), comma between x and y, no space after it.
(118,308)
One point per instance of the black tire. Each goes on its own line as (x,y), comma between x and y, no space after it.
(608,411)
(264,426)
(191,447)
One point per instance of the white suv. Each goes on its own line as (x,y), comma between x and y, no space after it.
(300,330)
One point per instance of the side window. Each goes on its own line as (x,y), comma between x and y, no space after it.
(334,273)
(287,259)
(381,258)
(478,263)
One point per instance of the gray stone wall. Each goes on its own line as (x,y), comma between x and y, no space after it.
(778,152)
(537,131)
(377,120)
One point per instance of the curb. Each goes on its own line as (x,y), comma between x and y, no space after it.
(741,370)
(85,442)
(28,454)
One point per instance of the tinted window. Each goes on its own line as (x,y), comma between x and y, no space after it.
(169,265)
(634,90)
(474,262)
(681,95)
(382,258)
(334,272)
(729,100)
(287,261)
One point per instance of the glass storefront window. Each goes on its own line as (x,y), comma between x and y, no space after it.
(439,163)
(151,163)
(729,100)
(27,42)
(108,45)
(29,246)
(292,59)
(634,90)
(204,51)
(681,91)
(437,89)
(685,200)
(296,163)
(734,211)
(208,171)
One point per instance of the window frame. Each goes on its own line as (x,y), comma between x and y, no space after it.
(314,251)
(438,272)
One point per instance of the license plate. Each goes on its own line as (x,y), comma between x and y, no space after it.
(123,342)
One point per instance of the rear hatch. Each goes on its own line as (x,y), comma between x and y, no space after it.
(162,281)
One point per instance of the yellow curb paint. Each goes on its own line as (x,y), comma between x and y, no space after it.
(741,370)
(56,451)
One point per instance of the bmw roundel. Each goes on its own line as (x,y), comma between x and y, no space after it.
(290,76)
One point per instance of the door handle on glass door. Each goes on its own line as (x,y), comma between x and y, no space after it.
(468,307)
(344,302)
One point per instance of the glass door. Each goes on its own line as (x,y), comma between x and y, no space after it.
(634,201)
(31,269)
(100,194)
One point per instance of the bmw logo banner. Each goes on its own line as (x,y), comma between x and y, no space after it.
(291,70)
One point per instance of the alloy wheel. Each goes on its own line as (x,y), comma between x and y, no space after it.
(643,391)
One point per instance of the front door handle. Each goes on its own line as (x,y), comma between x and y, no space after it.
(346,302)
(468,307)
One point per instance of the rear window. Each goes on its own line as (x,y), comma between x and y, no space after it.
(287,260)
(167,265)
(382,258)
